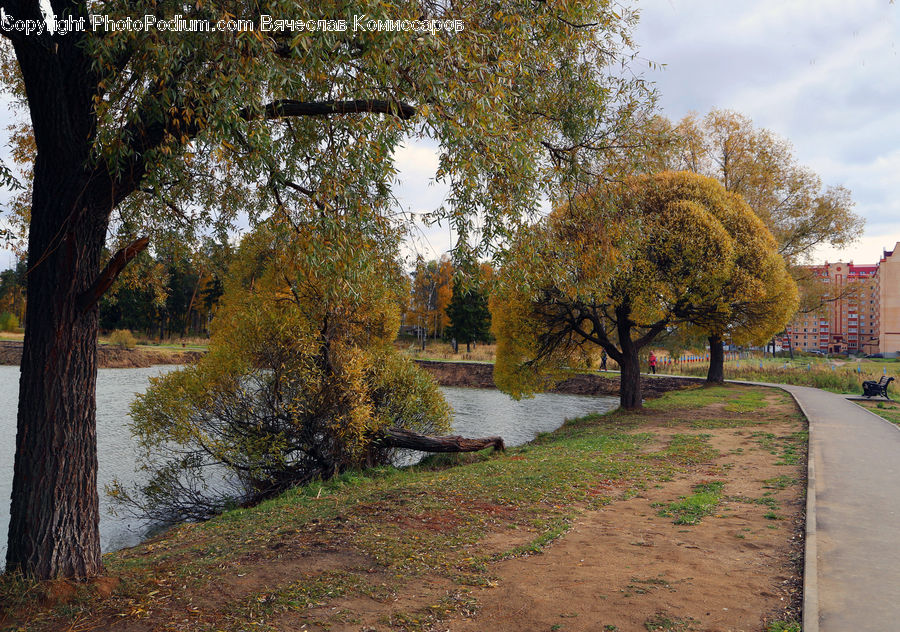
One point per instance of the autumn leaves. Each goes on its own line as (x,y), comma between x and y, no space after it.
(621,265)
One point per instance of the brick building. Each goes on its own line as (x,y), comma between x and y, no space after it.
(863,315)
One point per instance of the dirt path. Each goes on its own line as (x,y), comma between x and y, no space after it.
(687,516)
(627,568)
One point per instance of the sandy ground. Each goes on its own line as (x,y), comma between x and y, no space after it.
(626,568)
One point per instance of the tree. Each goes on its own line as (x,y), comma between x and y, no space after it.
(12,291)
(470,318)
(139,134)
(613,270)
(758,297)
(788,197)
(301,381)
(443,294)
(430,296)
(760,166)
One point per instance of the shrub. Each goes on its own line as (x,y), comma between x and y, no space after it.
(122,338)
(300,383)
(8,322)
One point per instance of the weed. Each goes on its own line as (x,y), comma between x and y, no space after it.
(688,450)
(690,398)
(891,413)
(768,501)
(779,482)
(747,401)
(783,626)
(691,509)
(660,622)
(725,423)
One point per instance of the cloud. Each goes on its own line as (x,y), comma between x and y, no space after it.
(418,193)
(822,74)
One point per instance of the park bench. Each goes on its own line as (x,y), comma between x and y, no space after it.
(872,388)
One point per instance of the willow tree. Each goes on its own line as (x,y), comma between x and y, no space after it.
(143,134)
(301,381)
(613,269)
(758,297)
(795,205)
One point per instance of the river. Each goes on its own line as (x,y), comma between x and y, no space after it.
(477,413)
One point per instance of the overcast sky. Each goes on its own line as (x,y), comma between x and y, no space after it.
(825,74)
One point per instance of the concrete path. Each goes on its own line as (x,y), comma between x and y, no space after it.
(852,579)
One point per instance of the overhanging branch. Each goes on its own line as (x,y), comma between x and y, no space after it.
(110,273)
(290,107)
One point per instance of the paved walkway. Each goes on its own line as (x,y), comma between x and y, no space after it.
(852,578)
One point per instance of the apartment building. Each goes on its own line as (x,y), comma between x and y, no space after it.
(862,314)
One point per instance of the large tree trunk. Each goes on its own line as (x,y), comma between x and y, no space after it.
(716,373)
(54,514)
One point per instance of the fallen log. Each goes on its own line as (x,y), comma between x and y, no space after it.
(396,438)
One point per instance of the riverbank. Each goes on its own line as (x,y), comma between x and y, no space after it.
(481,375)
(687,515)
(112,357)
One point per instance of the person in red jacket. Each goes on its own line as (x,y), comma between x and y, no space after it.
(652,361)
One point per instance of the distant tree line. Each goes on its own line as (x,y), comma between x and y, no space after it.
(12,297)
(169,293)
(449,303)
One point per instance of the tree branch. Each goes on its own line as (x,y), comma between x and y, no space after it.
(289,107)
(110,273)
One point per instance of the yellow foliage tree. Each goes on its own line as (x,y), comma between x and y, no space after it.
(301,380)
(616,268)
(760,296)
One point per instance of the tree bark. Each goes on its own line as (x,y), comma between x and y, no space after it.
(629,368)
(396,438)
(54,513)
(54,510)
(716,373)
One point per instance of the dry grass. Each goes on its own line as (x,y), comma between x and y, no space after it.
(438,350)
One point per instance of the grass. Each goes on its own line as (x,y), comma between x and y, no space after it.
(439,350)
(397,525)
(663,623)
(787,448)
(779,482)
(734,400)
(885,410)
(835,375)
(691,509)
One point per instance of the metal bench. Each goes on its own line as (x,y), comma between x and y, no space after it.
(872,388)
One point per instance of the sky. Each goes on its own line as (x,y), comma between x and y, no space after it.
(824,74)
